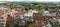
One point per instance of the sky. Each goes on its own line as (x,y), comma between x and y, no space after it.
(35,0)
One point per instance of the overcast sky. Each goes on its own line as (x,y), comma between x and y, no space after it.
(35,0)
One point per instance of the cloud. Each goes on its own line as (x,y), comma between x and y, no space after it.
(34,0)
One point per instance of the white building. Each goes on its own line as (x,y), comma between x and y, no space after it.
(30,12)
(46,13)
(48,25)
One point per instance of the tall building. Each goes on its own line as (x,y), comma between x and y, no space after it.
(37,18)
(2,19)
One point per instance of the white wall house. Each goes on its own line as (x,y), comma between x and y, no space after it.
(46,13)
(30,13)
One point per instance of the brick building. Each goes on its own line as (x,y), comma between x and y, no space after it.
(2,18)
(37,18)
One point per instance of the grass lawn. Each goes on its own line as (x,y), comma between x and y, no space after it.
(30,25)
